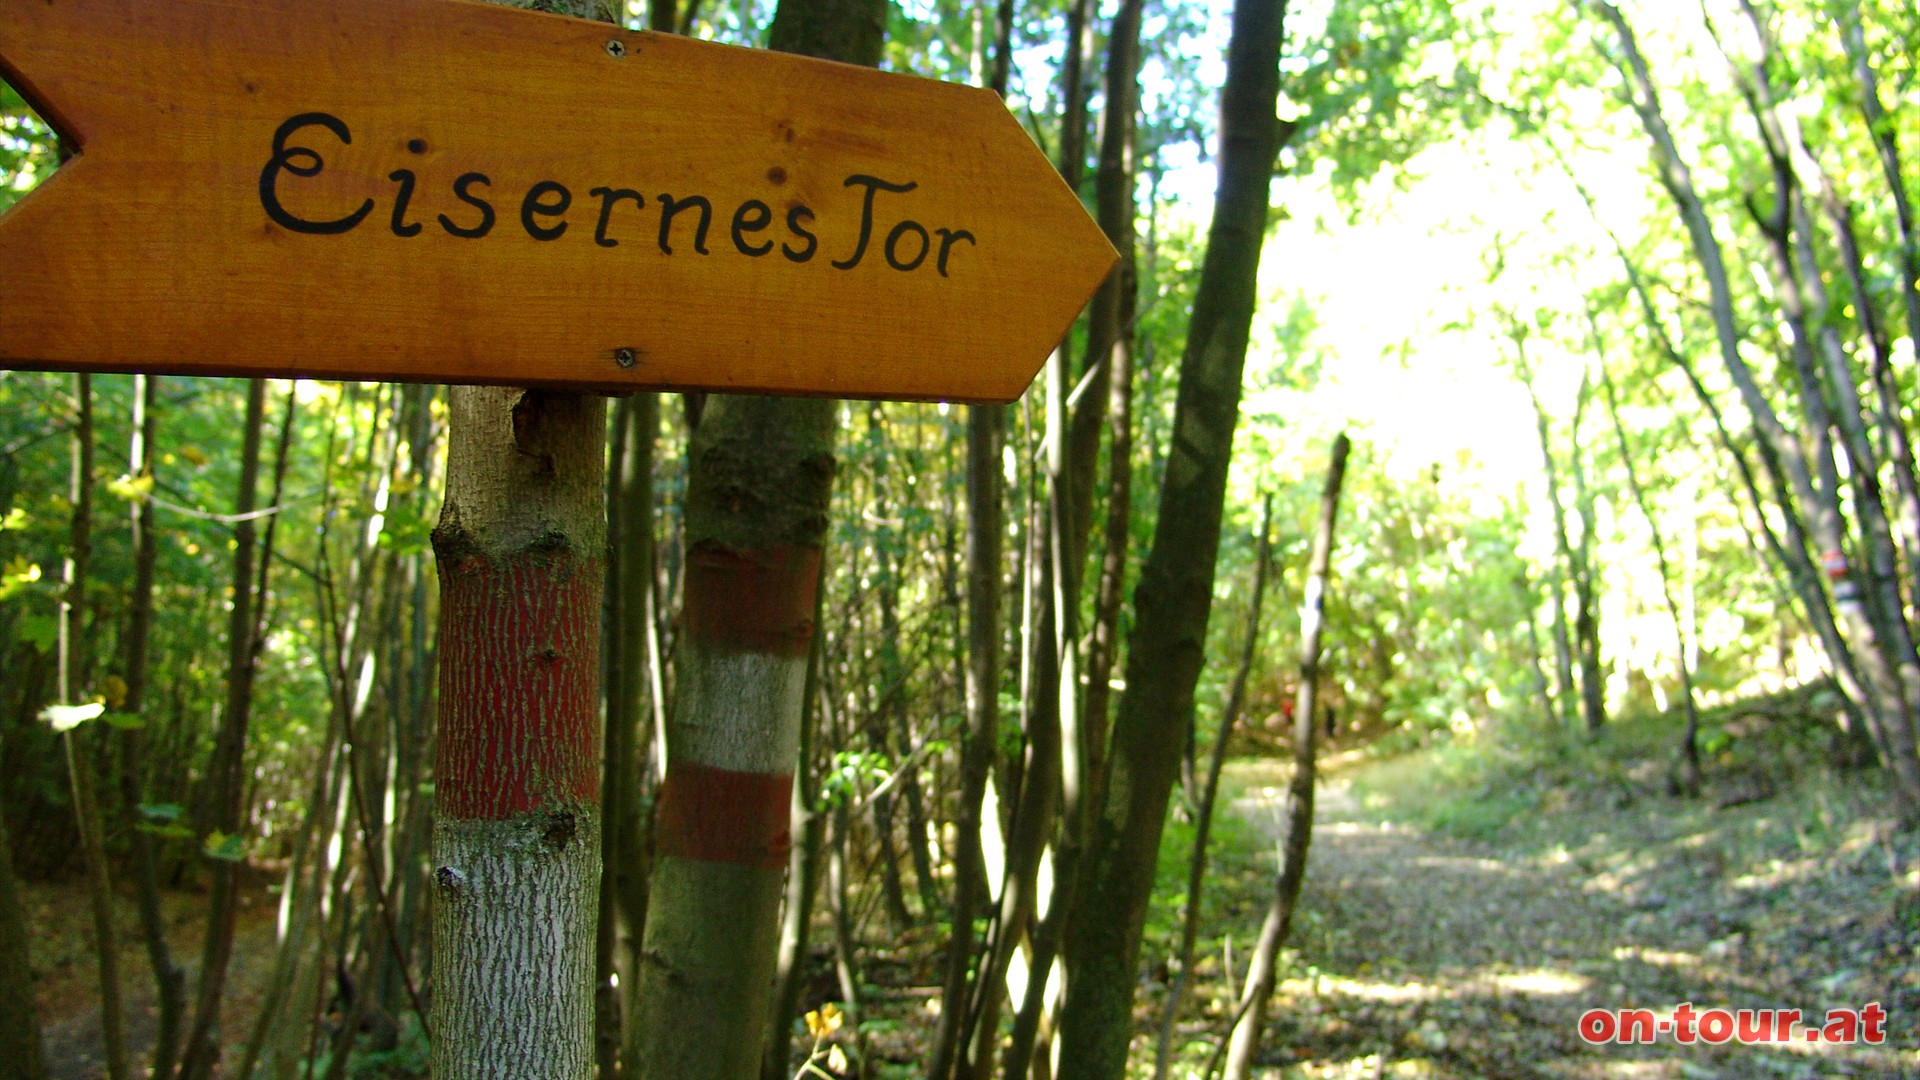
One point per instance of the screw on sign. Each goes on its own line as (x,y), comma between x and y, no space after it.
(418,190)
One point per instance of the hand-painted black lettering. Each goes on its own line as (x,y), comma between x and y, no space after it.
(537,204)
(401,226)
(893,243)
(670,206)
(460,186)
(608,197)
(948,238)
(873,184)
(752,217)
(301,161)
(796,214)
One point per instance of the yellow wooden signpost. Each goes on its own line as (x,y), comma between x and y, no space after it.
(436,190)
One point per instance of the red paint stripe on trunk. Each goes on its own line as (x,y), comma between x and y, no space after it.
(719,815)
(751,601)
(519,686)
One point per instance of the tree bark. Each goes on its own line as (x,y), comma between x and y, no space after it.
(1689,737)
(73,665)
(809,827)
(1886,144)
(757,504)
(1210,790)
(1263,966)
(1175,594)
(226,769)
(1051,775)
(759,487)
(19,1014)
(517,841)
(1569,565)
(168,977)
(1586,584)
(1890,701)
(623,884)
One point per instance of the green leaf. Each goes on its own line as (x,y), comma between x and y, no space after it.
(67,717)
(162,812)
(165,832)
(18,574)
(219,845)
(40,631)
(132,488)
(125,721)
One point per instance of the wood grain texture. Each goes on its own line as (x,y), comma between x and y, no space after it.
(172,242)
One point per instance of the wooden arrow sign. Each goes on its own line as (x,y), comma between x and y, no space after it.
(444,191)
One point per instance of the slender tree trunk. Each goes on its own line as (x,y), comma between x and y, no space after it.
(1885,134)
(1549,709)
(979,745)
(226,769)
(1263,966)
(1586,585)
(73,650)
(1104,399)
(20,1043)
(1897,447)
(1175,595)
(1689,739)
(170,981)
(1203,813)
(629,581)
(809,827)
(1562,569)
(517,842)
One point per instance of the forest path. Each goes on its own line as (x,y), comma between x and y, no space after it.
(67,978)
(1431,956)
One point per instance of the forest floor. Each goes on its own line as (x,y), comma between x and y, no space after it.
(67,977)
(1463,906)
(1459,916)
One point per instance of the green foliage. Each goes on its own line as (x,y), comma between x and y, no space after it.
(410,1057)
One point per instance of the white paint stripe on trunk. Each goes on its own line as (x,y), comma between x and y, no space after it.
(737,710)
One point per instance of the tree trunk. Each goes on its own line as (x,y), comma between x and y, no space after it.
(73,665)
(1210,790)
(1175,595)
(759,487)
(226,777)
(1051,784)
(1788,553)
(986,432)
(1890,703)
(1110,350)
(1567,564)
(170,981)
(19,1014)
(629,583)
(809,827)
(1689,739)
(517,842)
(1586,584)
(1884,133)
(760,481)
(1263,966)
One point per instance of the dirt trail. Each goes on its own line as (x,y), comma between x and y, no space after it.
(67,979)
(1437,957)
